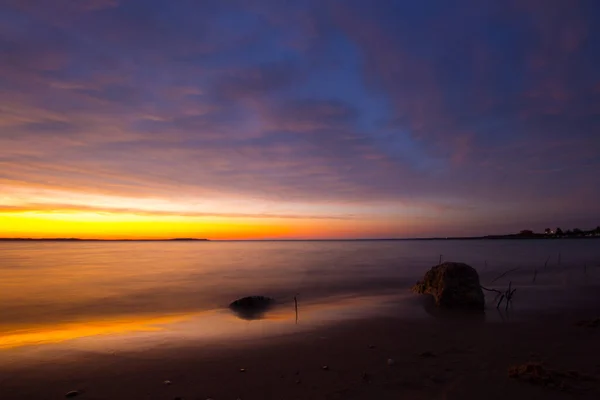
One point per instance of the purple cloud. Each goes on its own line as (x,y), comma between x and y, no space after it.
(478,114)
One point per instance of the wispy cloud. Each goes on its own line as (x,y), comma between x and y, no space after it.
(271,111)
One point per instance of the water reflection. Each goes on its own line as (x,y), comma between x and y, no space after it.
(45,335)
(173,330)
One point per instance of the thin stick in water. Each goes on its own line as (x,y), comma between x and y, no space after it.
(296,306)
(546,263)
(504,273)
(441,255)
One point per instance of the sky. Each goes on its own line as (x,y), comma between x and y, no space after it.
(242,119)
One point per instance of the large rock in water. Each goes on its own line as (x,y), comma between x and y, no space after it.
(453,285)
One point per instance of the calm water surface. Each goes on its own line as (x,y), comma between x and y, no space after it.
(140,293)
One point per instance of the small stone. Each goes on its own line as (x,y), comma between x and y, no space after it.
(325,368)
(167,382)
(242,369)
(391,361)
(72,393)
(371,346)
(298,381)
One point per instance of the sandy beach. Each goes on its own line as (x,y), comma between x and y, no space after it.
(361,334)
(384,358)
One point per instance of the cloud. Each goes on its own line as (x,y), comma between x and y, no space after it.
(306,107)
(79,208)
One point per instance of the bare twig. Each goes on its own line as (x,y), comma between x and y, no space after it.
(506,295)
(491,290)
(500,302)
(296,306)
(546,263)
(504,273)
(534,275)
(509,295)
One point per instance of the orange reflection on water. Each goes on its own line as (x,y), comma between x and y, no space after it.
(63,332)
(218,323)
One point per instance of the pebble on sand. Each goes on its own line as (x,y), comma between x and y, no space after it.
(242,369)
(72,393)
(167,382)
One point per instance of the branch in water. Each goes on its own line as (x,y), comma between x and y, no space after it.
(504,273)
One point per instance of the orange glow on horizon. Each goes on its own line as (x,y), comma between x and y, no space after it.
(90,225)
(105,225)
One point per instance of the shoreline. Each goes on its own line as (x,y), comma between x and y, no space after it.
(447,357)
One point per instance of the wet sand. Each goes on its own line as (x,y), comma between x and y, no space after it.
(436,358)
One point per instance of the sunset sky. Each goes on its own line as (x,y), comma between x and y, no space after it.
(234,119)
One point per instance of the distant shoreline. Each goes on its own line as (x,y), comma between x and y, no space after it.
(491,237)
(99,240)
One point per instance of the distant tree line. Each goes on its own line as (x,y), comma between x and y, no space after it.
(559,233)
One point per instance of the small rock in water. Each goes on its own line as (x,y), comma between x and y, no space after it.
(371,346)
(72,393)
(167,382)
(325,367)
(391,361)
(298,381)
(242,369)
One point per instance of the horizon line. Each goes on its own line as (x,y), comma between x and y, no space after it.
(485,237)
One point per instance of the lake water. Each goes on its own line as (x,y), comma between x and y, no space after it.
(111,294)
